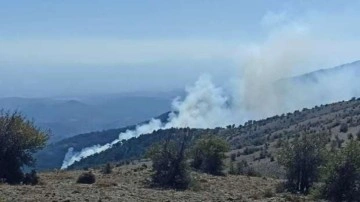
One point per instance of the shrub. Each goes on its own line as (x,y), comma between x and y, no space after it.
(170,165)
(242,166)
(343,128)
(107,169)
(19,139)
(272,159)
(342,175)
(358,136)
(208,155)
(302,159)
(280,187)
(31,178)
(250,171)
(233,157)
(268,193)
(86,178)
(248,151)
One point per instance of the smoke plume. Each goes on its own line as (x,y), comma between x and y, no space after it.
(203,102)
(264,87)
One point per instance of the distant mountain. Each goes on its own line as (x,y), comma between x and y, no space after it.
(352,69)
(319,87)
(68,117)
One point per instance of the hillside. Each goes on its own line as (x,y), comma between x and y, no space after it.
(52,156)
(308,84)
(254,141)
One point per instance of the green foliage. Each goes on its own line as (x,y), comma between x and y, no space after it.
(136,148)
(242,168)
(251,150)
(86,178)
(250,171)
(31,178)
(233,157)
(19,139)
(302,159)
(344,128)
(269,193)
(170,165)
(280,187)
(232,170)
(107,169)
(342,175)
(208,155)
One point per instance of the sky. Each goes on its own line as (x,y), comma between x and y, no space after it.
(61,48)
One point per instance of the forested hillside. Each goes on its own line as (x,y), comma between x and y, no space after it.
(254,141)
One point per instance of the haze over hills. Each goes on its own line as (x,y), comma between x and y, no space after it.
(311,85)
(66,117)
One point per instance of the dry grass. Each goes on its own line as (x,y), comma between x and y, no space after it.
(129,184)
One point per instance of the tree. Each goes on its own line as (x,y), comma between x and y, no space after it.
(343,128)
(342,175)
(170,165)
(19,139)
(107,169)
(208,155)
(302,158)
(31,178)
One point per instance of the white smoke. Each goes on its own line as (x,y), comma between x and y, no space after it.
(257,91)
(203,102)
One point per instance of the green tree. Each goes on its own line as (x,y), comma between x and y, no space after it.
(208,155)
(342,175)
(170,165)
(302,159)
(107,169)
(19,139)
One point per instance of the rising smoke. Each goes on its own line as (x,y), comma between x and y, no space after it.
(259,91)
(204,102)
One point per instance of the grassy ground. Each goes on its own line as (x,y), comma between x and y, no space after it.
(129,183)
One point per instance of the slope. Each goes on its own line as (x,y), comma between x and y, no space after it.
(254,141)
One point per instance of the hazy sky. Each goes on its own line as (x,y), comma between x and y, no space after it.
(78,47)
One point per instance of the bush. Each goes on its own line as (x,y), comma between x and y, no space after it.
(232,170)
(280,187)
(358,136)
(342,175)
(242,166)
(170,165)
(19,139)
(343,128)
(31,178)
(107,169)
(269,193)
(208,155)
(250,171)
(302,159)
(248,151)
(233,157)
(86,178)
